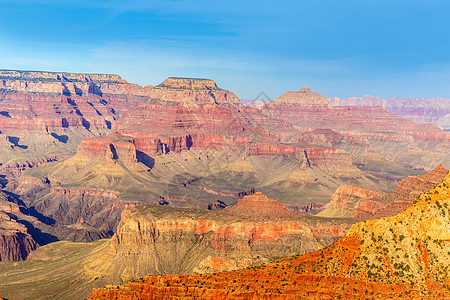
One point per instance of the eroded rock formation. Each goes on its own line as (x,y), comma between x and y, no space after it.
(257,229)
(403,256)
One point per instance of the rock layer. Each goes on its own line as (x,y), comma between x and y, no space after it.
(45,115)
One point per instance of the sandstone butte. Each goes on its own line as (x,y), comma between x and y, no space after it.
(356,202)
(420,110)
(155,239)
(303,97)
(399,257)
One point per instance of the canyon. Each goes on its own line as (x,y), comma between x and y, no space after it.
(103,182)
(249,236)
(190,144)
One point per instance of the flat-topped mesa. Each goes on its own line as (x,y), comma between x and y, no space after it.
(60,76)
(303,97)
(188,83)
(70,84)
(200,91)
(258,206)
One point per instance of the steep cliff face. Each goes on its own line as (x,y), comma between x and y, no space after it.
(332,160)
(168,240)
(403,257)
(47,101)
(15,241)
(28,229)
(350,201)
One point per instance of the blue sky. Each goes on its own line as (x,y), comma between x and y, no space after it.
(339,48)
